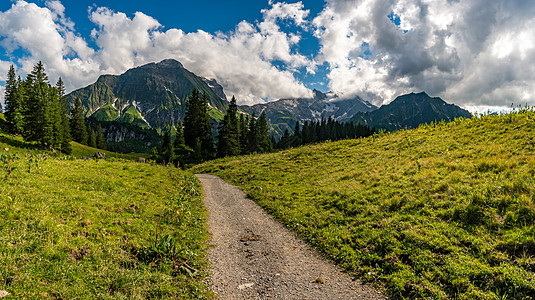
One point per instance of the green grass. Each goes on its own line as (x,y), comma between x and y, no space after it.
(77,229)
(106,113)
(132,116)
(17,145)
(216,114)
(80,150)
(441,211)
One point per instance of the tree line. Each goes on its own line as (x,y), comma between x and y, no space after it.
(319,131)
(240,134)
(39,112)
(194,141)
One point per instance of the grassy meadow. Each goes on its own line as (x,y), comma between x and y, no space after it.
(98,229)
(441,211)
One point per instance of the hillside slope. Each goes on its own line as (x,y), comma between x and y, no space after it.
(441,211)
(98,229)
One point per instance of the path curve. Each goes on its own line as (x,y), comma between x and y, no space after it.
(255,257)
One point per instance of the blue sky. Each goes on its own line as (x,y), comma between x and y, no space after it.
(475,53)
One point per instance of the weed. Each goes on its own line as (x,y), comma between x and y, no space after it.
(7,164)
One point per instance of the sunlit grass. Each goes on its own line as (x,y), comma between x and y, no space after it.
(76,229)
(441,211)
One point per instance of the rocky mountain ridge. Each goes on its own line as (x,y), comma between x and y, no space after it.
(284,113)
(409,111)
(151,96)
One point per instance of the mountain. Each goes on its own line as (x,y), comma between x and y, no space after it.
(409,111)
(149,96)
(284,113)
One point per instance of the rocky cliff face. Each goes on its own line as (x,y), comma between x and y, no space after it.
(157,91)
(409,111)
(284,113)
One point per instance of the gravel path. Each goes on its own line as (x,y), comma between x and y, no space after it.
(255,257)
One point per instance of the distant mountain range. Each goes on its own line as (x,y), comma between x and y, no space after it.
(283,114)
(409,111)
(153,97)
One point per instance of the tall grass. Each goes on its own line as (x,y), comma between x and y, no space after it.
(76,229)
(442,211)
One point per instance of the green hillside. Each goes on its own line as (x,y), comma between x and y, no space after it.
(441,211)
(106,113)
(98,229)
(132,116)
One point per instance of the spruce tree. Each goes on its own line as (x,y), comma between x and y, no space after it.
(252,136)
(64,115)
(14,102)
(207,140)
(192,127)
(243,133)
(179,138)
(10,96)
(92,137)
(197,126)
(55,111)
(264,142)
(101,140)
(228,144)
(78,130)
(167,153)
(37,121)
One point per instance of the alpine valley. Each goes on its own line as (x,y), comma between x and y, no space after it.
(134,108)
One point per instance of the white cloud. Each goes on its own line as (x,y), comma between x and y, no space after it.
(2,91)
(475,53)
(241,60)
(472,52)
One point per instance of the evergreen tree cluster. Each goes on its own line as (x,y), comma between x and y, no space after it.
(313,132)
(38,111)
(243,134)
(194,141)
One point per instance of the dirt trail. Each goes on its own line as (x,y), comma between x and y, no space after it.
(255,257)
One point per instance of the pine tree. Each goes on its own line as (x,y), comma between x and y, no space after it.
(10,96)
(228,144)
(78,130)
(243,133)
(167,153)
(14,102)
(264,142)
(192,127)
(37,122)
(56,121)
(207,140)
(252,136)
(101,140)
(197,126)
(92,138)
(64,115)
(179,142)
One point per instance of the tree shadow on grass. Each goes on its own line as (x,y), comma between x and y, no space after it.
(18,144)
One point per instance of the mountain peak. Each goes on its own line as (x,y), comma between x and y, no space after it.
(411,110)
(170,63)
(318,95)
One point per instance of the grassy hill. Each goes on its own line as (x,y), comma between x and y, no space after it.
(98,229)
(441,211)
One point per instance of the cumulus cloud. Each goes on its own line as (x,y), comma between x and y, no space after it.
(241,60)
(473,52)
(2,91)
